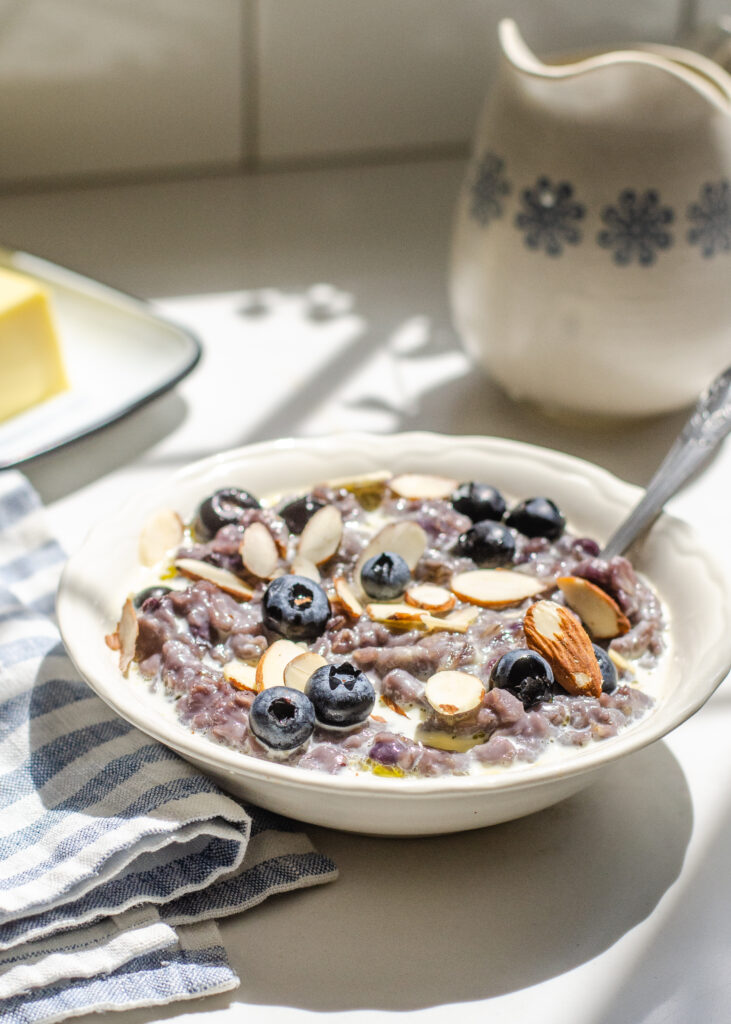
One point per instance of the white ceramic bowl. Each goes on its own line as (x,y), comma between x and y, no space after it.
(697,598)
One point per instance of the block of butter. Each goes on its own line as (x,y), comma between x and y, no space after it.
(31,362)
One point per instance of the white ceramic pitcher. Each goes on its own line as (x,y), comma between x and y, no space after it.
(591,264)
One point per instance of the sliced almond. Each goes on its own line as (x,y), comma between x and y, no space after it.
(259,551)
(347,597)
(554,632)
(405,538)
(222,578)
(496,588)
(422,486)
(161,532)
(320,538)
(240,675)
(270,667)
(430,597)
(453,693)
(599,612)
(128,631)
(395,614)
(299,669)
(302,566)
(442,740)
(458,622)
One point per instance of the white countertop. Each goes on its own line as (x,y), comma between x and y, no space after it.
(610,908)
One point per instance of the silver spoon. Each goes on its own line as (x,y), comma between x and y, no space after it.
(704,431)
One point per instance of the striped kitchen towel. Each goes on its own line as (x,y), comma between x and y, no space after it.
(116,856)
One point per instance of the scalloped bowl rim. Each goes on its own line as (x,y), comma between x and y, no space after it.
(78,609)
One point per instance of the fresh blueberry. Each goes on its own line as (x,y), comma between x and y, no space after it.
(607,669)
(488,544)
(295,607)
(281,717)
(298,513)
(526,674)
(223,508)
(156,592)
(385,576)
(537,517)
(479,501)
(342,695)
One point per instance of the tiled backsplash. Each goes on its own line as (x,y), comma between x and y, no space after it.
(110,87)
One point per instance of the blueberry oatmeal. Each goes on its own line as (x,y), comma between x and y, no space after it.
(403,625)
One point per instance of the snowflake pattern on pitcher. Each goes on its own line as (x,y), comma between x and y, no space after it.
(636,228)
(550,215)
(710,218)
(489,188)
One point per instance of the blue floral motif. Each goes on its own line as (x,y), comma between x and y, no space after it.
(635,228)
(488,189)
(549,216)
(711,218)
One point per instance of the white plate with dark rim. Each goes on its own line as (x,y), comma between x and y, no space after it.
(119,355)
(695,593)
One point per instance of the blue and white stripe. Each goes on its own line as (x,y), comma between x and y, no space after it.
(115,855)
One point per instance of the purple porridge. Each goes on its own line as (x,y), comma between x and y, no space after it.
(383,626)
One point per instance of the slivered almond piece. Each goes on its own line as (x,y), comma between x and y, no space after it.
(299,670)
(395,614)
(458,622)
(422,486)
(621,662)
(222,578)
(405,538)
(496,588)
(599,612)
(454,693)
(320,538)
(302,566)
(391,704)
(270,667)
(161,532)
(347,597)
(554,632)
(127,630)
(442,740)
(240,675)
(258,551)
(430,597)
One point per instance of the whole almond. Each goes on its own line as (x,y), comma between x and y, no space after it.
(553,631)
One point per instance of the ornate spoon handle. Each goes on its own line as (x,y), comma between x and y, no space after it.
(706,428)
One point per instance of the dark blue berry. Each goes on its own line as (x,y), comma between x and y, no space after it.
(479,501)
(488,544)
(223,508)
(385,576)
(295,607)
(281,717)
(298,513)
(607,669)
(342,695)
(537,517)
(526,674)
(150,592)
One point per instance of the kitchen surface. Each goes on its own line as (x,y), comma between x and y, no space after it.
(307,246)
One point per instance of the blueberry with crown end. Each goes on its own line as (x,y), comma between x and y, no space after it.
(479,502)
(537,517)
(488,544)
(607,669)
(298,513)
(223,508)
(282,718)
(526,674)
(295,607)
(385,576)
(342,695)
